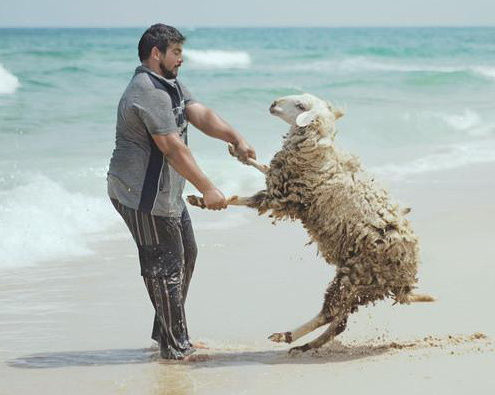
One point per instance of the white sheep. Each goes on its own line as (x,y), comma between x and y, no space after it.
(353,222)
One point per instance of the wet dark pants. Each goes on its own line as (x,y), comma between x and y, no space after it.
(167,254)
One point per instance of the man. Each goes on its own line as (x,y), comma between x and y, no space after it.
(147,173)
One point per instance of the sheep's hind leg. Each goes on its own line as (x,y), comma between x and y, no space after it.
(337,305)
(334,293)
(335,328)
(310,326)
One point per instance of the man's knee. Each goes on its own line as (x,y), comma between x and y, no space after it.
(161,260)
(191,252)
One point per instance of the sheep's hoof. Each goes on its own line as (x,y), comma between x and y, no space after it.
(234,200)
(299,349)
(281,337)
(196,201)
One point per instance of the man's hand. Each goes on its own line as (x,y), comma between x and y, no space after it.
(214,199)
(244,150)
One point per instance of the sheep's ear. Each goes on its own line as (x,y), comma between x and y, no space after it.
(338,113)
(305,118)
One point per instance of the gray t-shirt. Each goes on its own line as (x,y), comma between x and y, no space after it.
(139,175)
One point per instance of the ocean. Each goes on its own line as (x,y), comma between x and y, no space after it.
(417,100)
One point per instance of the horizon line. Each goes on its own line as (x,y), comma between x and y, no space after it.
(253,26)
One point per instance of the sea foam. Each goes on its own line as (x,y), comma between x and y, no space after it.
(41,220)
(368,64)
(451,157)
(360,63)
(218,59)
(8,82)
(485,71)
(463,121)
(469,122)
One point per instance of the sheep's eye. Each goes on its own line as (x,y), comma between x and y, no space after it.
(300,106)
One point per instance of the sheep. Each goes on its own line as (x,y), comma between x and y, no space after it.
(353,222)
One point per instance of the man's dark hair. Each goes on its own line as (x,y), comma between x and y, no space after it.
(160,36)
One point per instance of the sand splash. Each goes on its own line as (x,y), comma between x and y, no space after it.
(452,344)
(336,351)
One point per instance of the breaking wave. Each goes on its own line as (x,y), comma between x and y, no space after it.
(41,220)
(8,82)
(218,59)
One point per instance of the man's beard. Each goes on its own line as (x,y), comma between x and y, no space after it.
(167,73)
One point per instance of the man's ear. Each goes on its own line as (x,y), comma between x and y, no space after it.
(155,53)
(305,118)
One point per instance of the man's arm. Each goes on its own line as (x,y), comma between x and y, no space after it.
(212,125)
(181,159)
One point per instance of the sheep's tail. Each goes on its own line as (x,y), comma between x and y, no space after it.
(414,298)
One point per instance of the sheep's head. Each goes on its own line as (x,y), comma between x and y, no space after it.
(302,110)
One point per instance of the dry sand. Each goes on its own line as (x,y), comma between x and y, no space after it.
(83,325)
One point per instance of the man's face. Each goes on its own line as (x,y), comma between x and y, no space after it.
(171,61)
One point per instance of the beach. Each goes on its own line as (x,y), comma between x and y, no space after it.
(74,312)
(85,326)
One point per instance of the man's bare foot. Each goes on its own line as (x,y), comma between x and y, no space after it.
(197,358)
(200,345)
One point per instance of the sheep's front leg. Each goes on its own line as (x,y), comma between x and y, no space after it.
(254,201)
(250,161)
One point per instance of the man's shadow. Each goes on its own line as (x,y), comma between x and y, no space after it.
(331,354)
(84,358)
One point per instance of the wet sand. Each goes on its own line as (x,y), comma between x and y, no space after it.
(83,325)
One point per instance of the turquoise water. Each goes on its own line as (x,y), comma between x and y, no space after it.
(416,99)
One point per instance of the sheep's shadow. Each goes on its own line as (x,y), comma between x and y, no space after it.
(332,354)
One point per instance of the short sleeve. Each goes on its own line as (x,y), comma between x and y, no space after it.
(155,110)
(188,98)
